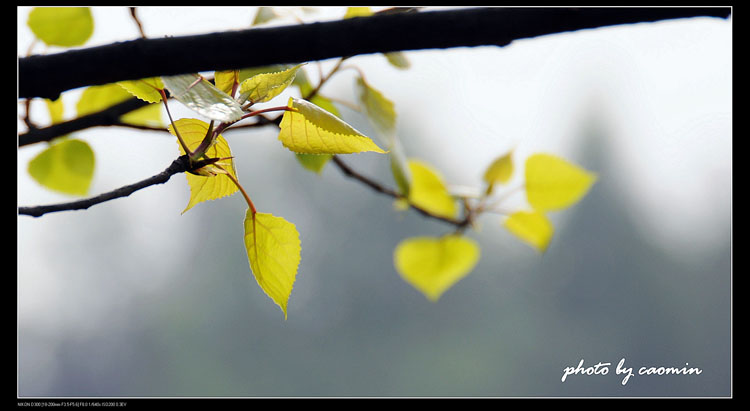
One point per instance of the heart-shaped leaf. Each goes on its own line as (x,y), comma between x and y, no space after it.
(66,166)
(212,185)
(62,26)
(433,265)
(428,191)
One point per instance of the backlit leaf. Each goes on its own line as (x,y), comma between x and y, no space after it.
(533,227)
(433,265)
(66,166)
(225,79)
(552,183)
(205,188)
(313,162)
(146,89)
(263,87)
(98,98)
(429,192)
(500,171)
(400,167)
(56,109)
(203,97)
(379,109)
(61,26)
(311,130)
(274,252)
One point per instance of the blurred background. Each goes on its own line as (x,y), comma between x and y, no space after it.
(132,299)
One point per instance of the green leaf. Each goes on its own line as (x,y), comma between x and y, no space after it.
(533,227)
(274,252)
(264,15)
(66,166)
(400,167)
(146,89)
(379,109)
(311,130)
(429,192)
(553,183)
(225,79)
(500,171)
(433,265)
(203,188)
(56,109)
(203,97)
(313,162)
(61,26)
(398,60)
(263,87)
(98,98)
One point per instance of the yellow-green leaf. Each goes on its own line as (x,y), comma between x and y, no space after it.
(274,252)
(533,227)
(500,171)
(203,97)
(225,79)
(146,89)
(66,166)
(428,190)
(56,109)
(379,109)
(552,183)
(398,60)
(311,130)
(400,167)
(203,188)
(313,162)
(357,12)
(61,26)
(433,265)
(97,98)
(265,86)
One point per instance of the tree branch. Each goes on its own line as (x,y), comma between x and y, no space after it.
(180,165)
(349,172)
(49,75)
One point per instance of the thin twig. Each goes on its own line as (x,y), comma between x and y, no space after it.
(180,165)
(137,22)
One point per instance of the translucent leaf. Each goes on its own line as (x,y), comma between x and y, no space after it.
(246,73)
(433,265)
(400,167)
(98,98)
(61,26)
(203,97)
(263,15)
(533,227)
(211,187)
(500,171)
(429,192)
(553,183)
(311,130)
(313,162)
(357,12)
(397,59)
(379,109)
(274,252)
(66,166)
(224,80)
(56,109)
(263,87)
(146,89)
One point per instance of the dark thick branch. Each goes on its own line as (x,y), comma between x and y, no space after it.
(49,75)
(180,165)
